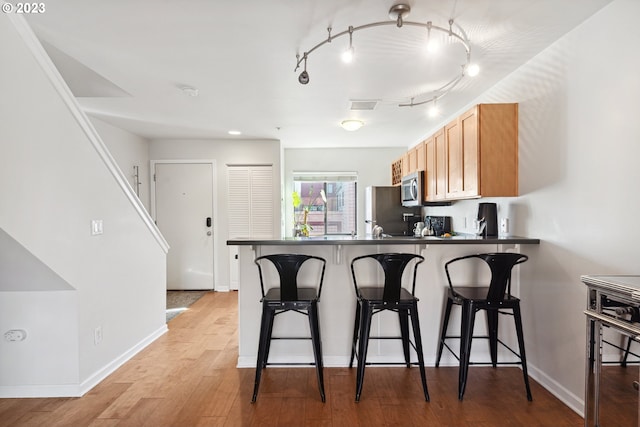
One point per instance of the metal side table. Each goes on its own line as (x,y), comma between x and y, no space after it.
(613,333)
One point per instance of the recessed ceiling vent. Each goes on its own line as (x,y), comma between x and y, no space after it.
(363,105)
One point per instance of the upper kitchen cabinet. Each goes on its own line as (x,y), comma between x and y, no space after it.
(416,160)
(421,159)
(406,167)
(482,152)
(435,167)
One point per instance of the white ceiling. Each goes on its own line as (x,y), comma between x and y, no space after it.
(127,60)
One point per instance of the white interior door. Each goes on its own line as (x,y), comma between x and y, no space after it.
(183,202)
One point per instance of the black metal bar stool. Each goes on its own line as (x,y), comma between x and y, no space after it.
(493,299)
(388,296)
(289,297)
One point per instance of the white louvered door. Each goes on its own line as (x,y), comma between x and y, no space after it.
(250,208)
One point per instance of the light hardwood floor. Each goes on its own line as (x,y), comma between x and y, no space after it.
(188,378)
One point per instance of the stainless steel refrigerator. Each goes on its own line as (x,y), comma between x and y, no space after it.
(384,206)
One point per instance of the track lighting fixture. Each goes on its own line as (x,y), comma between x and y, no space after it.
(398,13)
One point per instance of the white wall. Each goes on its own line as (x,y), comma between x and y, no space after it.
(128,150)
(579,148)
(224,152)
(372,165)
(53,182)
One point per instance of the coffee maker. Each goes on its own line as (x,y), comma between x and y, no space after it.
(488,214)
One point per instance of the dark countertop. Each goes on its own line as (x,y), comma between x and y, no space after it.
(461,239)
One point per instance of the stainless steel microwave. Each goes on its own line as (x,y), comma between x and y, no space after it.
(412,189)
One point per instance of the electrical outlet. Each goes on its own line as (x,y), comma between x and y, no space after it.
(504,225)
(15,335)
(97,335)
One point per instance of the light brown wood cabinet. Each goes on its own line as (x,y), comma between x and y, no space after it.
(416,159)
(475,155)
(413,160)
(405,164)
(482,152)
(435,167)
(421,158)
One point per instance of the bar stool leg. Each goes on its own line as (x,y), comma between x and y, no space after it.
(443,330)
(518,319)
(403,314)
(314,326)
(492,328)
(466,335)
(626,353)
(266,325)
(363,345)
(356,329)
(415,322)
(272,314)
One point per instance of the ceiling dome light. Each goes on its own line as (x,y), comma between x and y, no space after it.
(190,91)
(234,132)
(352,124)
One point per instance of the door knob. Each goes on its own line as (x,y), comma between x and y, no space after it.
(208,233)
(208,221)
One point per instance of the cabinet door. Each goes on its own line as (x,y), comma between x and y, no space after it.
(469,140)
(413,160)
(462,156)
(405,164)
(453,144)
(429,188)
(421,159)
(440,146)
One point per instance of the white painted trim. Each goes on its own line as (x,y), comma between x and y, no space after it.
(576,403)
(78,390)
(214,207)
(58,83)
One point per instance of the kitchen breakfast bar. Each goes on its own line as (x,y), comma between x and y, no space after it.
(338,301)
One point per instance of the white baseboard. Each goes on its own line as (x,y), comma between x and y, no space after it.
(575,403)
(78,390)
(107,370)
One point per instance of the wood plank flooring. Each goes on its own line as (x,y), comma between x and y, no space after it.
(188,378)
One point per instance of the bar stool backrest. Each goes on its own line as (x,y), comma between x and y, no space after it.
(393,265)
(288,266)
(501,265)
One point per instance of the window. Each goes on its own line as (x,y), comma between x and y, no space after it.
(327,202)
